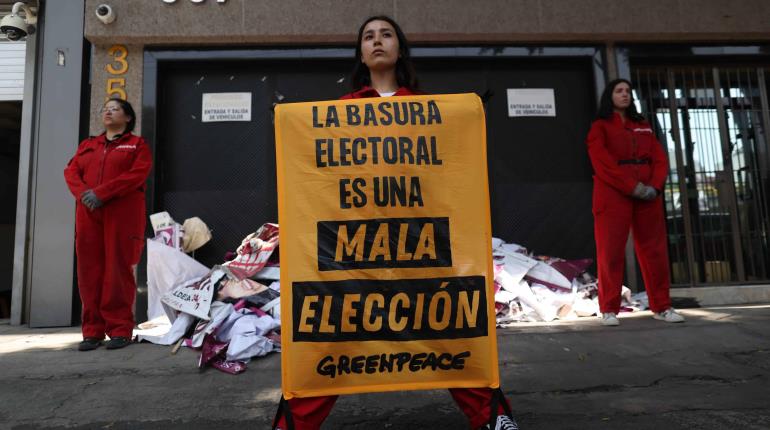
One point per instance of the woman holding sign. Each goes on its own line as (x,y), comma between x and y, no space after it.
(630,169)
(107,177)
(383,68)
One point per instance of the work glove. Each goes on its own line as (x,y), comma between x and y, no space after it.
(90,200)
(649,193)
(639,191)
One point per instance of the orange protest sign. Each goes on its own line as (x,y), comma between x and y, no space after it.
(386,264)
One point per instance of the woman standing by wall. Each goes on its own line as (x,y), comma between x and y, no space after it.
(630,169)
(107,177)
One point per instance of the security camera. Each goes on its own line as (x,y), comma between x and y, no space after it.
(14,26)
(105,13)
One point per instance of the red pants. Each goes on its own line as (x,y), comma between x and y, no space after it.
(614,214)
(108,244)
(310,412)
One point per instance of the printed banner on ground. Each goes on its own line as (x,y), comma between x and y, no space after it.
(386,263)
(195,297)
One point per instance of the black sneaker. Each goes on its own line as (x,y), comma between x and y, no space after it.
(118,342)
(89,344)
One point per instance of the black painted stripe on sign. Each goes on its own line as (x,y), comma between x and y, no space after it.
(398,310)
(384,243)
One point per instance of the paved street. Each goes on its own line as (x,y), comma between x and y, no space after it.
(712,372)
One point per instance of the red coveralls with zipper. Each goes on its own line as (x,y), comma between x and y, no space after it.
(310,412)
(109,239)
(624,154)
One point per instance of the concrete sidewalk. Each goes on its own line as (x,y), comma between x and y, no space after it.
(712,372)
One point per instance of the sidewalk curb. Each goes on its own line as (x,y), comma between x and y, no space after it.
(725,294)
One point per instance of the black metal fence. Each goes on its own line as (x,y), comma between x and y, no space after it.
(714,123)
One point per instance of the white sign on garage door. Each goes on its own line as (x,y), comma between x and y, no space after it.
(220,107)
(531,102)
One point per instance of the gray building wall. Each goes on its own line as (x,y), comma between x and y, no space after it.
(336,21)
(155,23)
(45,215)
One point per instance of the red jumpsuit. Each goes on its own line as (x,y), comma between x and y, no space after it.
(622,155)
(109,239)
(310,412)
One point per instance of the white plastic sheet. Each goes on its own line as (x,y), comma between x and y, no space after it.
(245,331)
(219,312)
(517,265)
(523,293)
(167,268)
(546,274)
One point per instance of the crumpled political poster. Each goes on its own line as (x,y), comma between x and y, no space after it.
(386,274)
(254,292)
(195,297)
(254,251)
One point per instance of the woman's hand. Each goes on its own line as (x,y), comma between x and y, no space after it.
(638,193)
(644,192)
(650,193)
(89,199)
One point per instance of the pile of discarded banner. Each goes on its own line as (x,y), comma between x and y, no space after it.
(230,313)
(540,288)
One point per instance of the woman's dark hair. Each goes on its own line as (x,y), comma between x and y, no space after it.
(606,107)
(128,110)
(405,74)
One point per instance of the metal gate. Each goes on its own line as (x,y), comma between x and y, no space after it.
(714,124)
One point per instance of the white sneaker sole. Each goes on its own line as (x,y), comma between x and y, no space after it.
(660,318)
